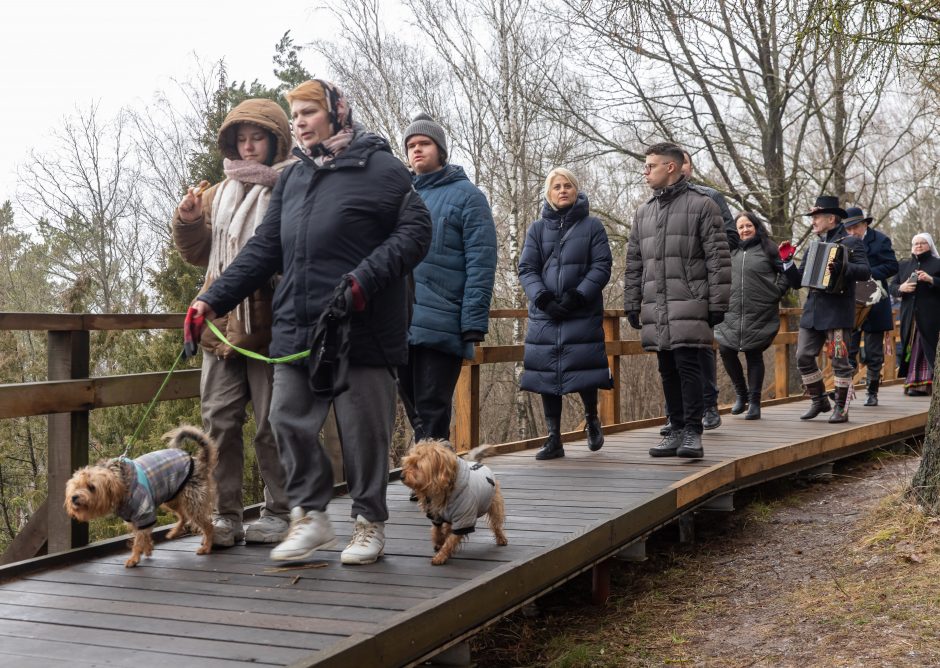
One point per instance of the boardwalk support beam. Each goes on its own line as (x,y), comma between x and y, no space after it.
(723,503)
(455,655)
(600,582)
(634,552)
(687,528)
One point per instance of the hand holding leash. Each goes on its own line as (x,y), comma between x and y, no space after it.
(193,325)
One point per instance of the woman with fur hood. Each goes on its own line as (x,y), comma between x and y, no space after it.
(209,228)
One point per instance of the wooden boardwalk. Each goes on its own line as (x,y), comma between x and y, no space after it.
(563,517)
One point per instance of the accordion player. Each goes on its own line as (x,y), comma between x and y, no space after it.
(817,273)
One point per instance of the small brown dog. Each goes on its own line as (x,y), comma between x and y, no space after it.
(454,493)
(132,489)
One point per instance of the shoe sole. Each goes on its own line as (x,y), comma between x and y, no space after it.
(543,459)
(662,453)
(303,556)
(350,561)
(712,427)
(254,540)
(690,454)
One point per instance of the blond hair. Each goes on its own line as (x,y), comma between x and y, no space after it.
(565,173)
(309,91)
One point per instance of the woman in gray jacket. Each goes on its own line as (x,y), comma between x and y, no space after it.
(753,319)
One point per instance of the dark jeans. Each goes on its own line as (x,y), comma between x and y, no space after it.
(427,383)
(681,371)
(755,370)
(551,403)
(709,366)
(874,353)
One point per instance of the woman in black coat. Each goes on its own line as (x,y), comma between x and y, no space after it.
(753,319)
(918,285)
(564,267)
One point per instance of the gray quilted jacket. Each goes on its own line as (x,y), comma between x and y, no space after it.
(678,268)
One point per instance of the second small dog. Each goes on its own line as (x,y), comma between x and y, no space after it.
(454,493)
(132,489)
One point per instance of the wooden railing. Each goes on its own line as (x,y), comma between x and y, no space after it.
(70,394)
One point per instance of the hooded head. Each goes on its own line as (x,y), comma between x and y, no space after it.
(266,114)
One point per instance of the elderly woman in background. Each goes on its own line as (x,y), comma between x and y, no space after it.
(752,320)
(564,267)
(918,285)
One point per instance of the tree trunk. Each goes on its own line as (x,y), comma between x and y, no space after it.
(925,487)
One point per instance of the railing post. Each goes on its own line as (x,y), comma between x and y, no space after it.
(68,439)
(782,362)
(609,400)
(465,432)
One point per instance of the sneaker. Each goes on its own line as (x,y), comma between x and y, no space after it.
(268,529)
(226,532)
(667,447)
(712,418)
(309,531)
(367,543)
(666,428)
(691,445)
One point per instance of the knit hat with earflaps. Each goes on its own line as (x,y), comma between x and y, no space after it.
(266,114)
(427,126)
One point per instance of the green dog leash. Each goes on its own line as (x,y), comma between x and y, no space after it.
(252,354)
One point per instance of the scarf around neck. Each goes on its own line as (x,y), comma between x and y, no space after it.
(249,171)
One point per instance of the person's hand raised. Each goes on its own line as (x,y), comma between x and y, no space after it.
(190,207)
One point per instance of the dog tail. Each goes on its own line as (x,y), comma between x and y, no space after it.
(479,453)
(207,451)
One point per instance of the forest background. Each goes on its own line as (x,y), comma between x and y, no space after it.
(778,101)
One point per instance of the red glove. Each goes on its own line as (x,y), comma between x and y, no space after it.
(787,251)
(358,296)
(192,332)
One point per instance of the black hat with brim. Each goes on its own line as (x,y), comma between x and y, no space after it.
(854,216)
(827,204)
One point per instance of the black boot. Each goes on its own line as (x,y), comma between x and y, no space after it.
(711,418)
(666,428)
(740,403)
(817,394)
(753,407)
(552,447)
(872,398)
(595,434)
(841,412)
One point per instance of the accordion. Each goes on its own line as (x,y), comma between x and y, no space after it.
(816,272)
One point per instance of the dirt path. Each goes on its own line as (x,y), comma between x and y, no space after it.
(836,574)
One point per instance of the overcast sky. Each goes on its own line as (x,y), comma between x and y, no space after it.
(60,55)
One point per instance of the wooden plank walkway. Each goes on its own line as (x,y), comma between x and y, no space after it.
(563,516)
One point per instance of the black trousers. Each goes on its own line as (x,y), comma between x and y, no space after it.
(551,403)
(681,372)
(874,353)
(709,377)
(755,370)
(427,385)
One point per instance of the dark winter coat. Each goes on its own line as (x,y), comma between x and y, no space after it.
(834,310)
(568,355)
(454,282)
(753,317)
(731,229)
(678,268)
(921,307)
(884,265)
(322,224)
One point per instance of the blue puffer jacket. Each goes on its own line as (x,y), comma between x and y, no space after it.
(568,355)
(454,282)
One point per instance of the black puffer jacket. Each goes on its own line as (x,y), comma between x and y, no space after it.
(326,222)
(566,250)
(678,268)
(757,284)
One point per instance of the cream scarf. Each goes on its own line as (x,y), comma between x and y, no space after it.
(238,208)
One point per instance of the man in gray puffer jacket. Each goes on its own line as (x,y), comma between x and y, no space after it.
(677,288)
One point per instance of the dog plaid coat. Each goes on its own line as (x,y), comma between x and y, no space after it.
(155,478)
(473,492)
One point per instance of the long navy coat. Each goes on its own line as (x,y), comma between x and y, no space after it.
(884,265)
(568,355)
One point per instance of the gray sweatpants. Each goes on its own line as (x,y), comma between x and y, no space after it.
(226,387)
(365,416)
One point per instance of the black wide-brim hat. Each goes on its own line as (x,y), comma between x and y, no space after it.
(854,216)
(827,204)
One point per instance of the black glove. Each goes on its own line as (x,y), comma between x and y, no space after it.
(715,318)
(542,300)
(572,300)
(341,303)
(473,336)
(556,311)
(633,317)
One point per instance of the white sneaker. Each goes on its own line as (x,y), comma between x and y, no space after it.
(268,529)
(309,531)
(226,532)
(367,543)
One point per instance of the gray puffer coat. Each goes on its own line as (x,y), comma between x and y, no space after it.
(757,284)
(678,268)
(565,250)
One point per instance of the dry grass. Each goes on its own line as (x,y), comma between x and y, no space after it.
(845,574)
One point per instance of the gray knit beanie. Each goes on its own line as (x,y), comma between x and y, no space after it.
(427,126)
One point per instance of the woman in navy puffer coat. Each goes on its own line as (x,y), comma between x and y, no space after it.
(564,267)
